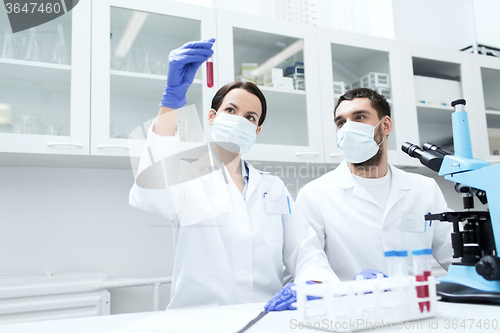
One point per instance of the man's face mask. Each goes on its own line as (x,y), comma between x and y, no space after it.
(356,141)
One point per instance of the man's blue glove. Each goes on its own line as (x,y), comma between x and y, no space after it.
(369,274)
(182,66)
(284,298)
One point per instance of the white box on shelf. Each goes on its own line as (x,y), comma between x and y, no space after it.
(245,78)
(246,72)
(288,83)
(274,78)
(340,87)
(386,92)
(431,90)
(375,80)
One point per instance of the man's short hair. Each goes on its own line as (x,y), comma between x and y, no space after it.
(378,101)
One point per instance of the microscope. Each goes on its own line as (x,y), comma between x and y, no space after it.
(476,234)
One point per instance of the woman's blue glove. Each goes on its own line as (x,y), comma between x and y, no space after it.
(284,298)
(369,274)
(182,66)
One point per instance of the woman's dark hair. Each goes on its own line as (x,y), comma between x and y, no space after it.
(378,101)
(248,86)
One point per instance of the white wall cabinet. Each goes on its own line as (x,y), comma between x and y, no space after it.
(109,89)
(345,59)
(131,42)
(45,106)
(292,129)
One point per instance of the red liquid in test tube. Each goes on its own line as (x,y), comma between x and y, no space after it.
(210,72)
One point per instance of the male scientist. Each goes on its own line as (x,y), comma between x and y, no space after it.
(367,206)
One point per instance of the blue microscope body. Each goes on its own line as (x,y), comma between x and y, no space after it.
(476,234)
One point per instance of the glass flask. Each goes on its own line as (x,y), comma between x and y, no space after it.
(33,50)
(8,49)
(26,123)
(59,52)
(147,64)
(129,64)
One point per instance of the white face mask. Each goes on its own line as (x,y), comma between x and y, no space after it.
(356,141)
(236,130)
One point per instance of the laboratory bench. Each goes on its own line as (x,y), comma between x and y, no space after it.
(451,317)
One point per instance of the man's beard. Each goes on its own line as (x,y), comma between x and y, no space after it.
(375,160)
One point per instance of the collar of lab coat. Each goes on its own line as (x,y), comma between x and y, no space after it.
(346,179)
(398,186)
(254,178)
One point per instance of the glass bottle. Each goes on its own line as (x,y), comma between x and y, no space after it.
(59,52)
(8,50)
(33,50)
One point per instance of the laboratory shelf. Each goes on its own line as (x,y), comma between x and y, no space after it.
(434,106)
(144,86)
(25,74)
(495,112)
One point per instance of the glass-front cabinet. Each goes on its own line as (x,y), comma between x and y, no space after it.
(282,60)
(131,43)
(490,78)
(351,61)
(45,85)
(434,78)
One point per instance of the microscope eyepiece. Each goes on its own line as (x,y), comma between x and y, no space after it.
(411,149)
(430,158)
(430,146)
(458,101)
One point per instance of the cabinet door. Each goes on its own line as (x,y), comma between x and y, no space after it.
(353,61)
(281,57)
(131,42)
(434,78)
(45,85)
(487,70)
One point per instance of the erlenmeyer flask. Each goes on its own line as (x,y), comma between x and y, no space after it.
(129,63)
(8,50)
(33,51)
(147,65)
(59,53)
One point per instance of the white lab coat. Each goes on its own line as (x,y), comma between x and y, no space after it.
(355,230)
(238,256)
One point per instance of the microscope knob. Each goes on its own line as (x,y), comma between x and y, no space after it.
(489,268)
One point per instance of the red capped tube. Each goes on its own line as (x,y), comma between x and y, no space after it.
(210,72)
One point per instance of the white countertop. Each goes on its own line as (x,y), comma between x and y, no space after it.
(451,317)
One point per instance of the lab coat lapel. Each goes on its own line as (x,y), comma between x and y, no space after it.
(398,189)
(254,178)
(347,182)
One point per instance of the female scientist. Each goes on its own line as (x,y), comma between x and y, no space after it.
(232,234)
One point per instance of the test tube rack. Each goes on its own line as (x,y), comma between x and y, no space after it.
(366,304)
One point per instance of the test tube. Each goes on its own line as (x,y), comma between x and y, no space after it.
(402,262)
(391,262)
(419,267)
(210,72)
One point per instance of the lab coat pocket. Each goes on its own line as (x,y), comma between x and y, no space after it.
(272,227)
(418,240)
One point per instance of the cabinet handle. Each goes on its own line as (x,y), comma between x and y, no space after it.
(112,147)
(336,154)
(64,144)
(306,154)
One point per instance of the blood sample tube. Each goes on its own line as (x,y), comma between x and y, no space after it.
(419,266)
(210,72)
(427,273)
